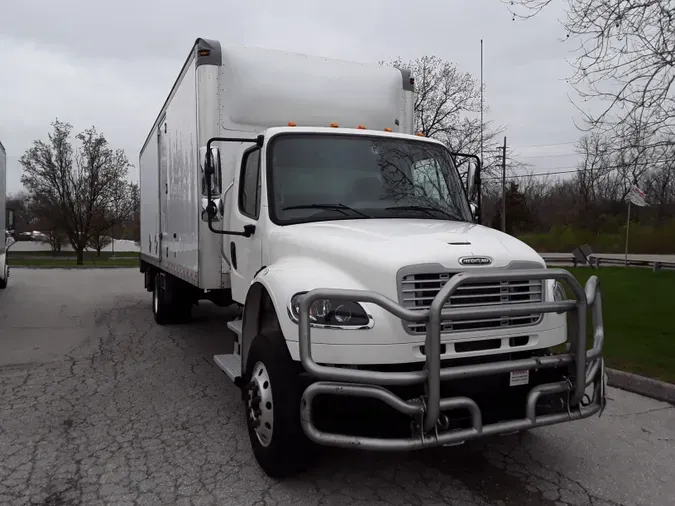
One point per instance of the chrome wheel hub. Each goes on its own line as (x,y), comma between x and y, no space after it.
(259,407)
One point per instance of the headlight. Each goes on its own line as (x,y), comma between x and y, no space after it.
(332,313)
(559,292)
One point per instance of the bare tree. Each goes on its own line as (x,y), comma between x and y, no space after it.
(24,219)
(660,186)
(447,105)
(130,218)
(100,227)
(625,58)
(538,192)
(72,186)
(106,224)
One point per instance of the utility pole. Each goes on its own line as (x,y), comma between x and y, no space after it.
(481,100)
(504,186)
(482,158)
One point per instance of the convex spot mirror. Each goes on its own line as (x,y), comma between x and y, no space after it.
(10,219)
(210,168)
(474,211)
(471,181)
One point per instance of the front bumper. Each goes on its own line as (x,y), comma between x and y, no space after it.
(585,367)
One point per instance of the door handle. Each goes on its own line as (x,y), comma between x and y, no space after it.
(233,254)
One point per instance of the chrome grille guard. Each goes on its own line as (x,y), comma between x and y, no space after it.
(588,365)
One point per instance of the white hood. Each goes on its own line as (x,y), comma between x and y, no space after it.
(389,244)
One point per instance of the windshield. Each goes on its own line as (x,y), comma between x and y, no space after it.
(315,177)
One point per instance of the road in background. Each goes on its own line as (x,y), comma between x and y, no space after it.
(617,256)
(101,405)
(120,245)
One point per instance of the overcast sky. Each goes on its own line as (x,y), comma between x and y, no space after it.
(111,64)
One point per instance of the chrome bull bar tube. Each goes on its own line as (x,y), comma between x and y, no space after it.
(365,383)
(427,440)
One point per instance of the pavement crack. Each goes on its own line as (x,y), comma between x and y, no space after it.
(654,410)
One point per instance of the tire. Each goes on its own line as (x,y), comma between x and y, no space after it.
(161,301)
(170,305)
(182,307)
(273,389)
(5,279)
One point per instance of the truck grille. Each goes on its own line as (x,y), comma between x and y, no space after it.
(419,290)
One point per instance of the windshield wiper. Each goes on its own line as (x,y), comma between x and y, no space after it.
(425,209)
(337,207)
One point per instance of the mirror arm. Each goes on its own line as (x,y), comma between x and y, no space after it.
(209,170)
(258,141)
(477,179)
(211,211)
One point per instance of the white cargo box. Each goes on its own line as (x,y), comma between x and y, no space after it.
(262,88)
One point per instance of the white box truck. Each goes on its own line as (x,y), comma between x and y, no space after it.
(294,187)
(6,221)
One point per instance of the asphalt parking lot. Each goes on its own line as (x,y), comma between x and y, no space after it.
(98,405)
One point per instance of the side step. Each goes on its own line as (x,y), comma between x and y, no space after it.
(235,326)
(231,365)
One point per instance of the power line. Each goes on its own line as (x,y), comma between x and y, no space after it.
(551,171)
(568,171)
(545,145)
(546,156)
(559,167)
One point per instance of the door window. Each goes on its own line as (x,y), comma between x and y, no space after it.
(249,184)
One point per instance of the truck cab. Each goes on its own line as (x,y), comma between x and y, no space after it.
(375,225)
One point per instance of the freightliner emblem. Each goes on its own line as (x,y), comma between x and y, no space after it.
(475,260)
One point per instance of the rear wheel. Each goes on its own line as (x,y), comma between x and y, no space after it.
(161,308)
(171,300)
(272,394)
(4,279)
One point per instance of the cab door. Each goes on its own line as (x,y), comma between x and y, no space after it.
(245,253)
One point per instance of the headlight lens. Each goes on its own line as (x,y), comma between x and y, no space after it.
(332,313)
(559,292)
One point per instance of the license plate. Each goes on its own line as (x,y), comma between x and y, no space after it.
(519,378)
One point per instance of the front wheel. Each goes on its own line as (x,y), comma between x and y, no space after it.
(272,403)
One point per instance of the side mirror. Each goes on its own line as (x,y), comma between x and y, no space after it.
(210,167)
(10,219)
(474,211)
(471,180)
(213,210)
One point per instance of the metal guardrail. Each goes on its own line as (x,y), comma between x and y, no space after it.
(598,260)
(587,365)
